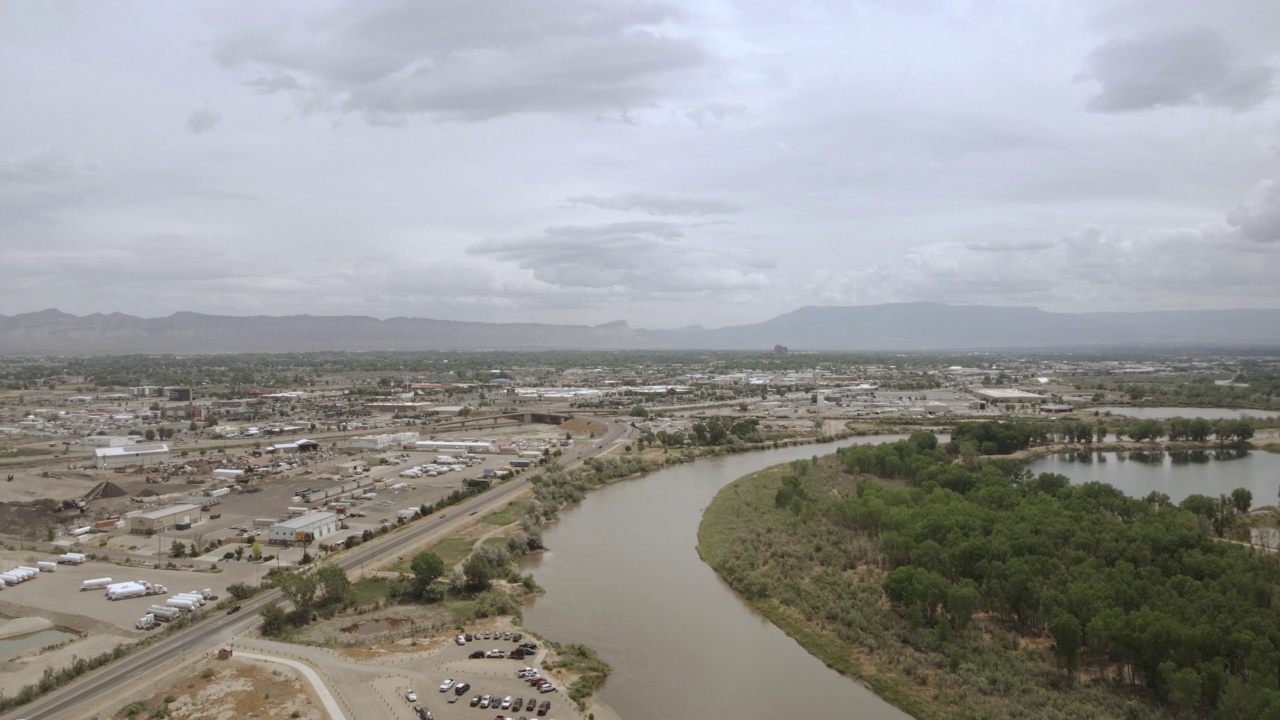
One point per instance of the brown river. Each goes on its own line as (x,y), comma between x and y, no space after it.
(623,576)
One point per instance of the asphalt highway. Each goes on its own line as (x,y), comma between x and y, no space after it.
(215,631)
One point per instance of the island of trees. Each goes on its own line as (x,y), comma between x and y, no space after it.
(964,587)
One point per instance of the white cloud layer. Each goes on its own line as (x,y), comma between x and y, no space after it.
(663,163)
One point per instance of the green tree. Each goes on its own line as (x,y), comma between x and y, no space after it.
(484,565)
(274,620)
(427,567)
(149,434)
(1067,635)
(299,589)
(334,584)
(177,549)
(1242,500)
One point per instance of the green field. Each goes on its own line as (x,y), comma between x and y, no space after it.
(505,516)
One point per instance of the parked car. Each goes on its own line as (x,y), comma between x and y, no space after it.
(411,696)
(495,653)
(477,654)
(461,640)
(424,714)
(516,654)
(485,701)
(444,686)
(517,704)
(506,703)
(544,707)
(475,701)
(529,707)
(461,688)
(517,637)
(546,688)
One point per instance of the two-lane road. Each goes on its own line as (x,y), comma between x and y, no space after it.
(215,630)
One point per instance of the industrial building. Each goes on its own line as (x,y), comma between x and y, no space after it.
(303,528)
(103,441)
(125,456)
(1003,396)
(382,442)
(457,445)
(164,519)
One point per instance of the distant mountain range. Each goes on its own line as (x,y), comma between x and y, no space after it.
(904,326)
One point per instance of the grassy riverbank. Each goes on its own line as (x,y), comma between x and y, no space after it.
(822,582)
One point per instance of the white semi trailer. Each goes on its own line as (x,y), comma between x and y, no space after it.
(46,566)
(165,613)
(95,584)
(71,558)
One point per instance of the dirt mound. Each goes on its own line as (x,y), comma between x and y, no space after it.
(29,519)
(583,425)
(148,493)
(105,490)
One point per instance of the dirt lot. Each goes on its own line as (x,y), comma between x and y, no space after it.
(211,689)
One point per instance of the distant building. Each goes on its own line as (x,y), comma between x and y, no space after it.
(1005,396)
(780,350)
(181,395)
(182,412)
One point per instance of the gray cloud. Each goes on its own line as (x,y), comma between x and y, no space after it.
(1009,246)
(656,204)
(202,120)
(641,257)
(457,60)
(1194,67)
(1258,217)
(271,84)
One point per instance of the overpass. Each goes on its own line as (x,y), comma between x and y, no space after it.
(504,420)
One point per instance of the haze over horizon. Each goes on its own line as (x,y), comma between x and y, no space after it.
(583,162)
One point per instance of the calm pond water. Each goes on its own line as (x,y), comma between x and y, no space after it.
(624,578)
(13,646)
(1176,474)
(1164,413)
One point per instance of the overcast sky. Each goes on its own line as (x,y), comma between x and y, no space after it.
(696,162)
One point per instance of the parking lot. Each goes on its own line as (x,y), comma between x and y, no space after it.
(491,677)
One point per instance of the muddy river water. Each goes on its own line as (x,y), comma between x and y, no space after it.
(624,578)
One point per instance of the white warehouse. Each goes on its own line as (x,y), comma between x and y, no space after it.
(114,457)
(382,442)
(102,441)
(303,528)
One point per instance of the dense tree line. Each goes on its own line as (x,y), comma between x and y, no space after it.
(1135,587)
(1137,591)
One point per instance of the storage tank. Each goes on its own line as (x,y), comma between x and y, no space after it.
(180,603)
(71,558)
(9,579)
(46,566)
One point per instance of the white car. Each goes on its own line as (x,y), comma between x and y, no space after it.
(461,640)
(506,703)
(444,686)
(411,696)
(495,653)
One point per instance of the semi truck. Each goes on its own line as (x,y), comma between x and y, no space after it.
(95,584)
(146,622)
(135,589)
